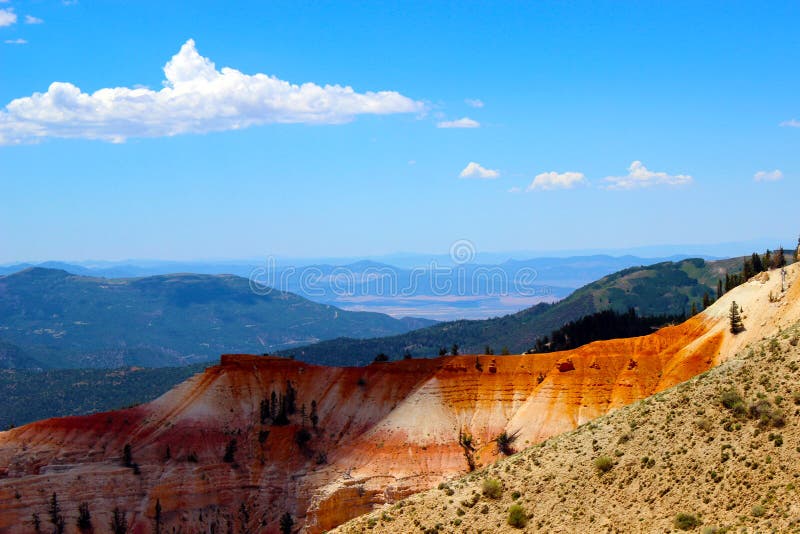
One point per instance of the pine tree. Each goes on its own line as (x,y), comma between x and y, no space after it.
(781,258)
(706,300)
(749,266)
(719,288)
(286,523)
(291,397)
(157,529)
(37,523)
(314,417)
(244,518)
(127,456)
(273,405)
(264,410)
(736,319)
(694,310)
(797,251)
(56,518)
(454,350)
(230,452)
(768,259)
(119,523)
(84,522)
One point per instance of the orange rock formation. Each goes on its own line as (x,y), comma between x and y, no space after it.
(376,433)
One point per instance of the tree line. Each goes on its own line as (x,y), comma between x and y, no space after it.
(753,265)
(606,324)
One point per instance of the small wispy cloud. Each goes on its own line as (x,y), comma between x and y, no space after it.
(476,170)
(7,17)
(548,181)
(640,176)
(791,123)
(768,176)
(515,189)
(30,19)
(474,102)
(15,41)
(464,122)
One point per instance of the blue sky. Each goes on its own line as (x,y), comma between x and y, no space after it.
(570,95)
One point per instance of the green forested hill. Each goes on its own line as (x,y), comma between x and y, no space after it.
(667,288)
(64,320)
(32,395)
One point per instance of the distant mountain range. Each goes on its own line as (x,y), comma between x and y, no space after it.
(50,318)
(435,287)
(664,288)
(669,287)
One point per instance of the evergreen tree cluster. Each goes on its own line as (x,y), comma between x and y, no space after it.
(751,266)
(607,324)
(279,406)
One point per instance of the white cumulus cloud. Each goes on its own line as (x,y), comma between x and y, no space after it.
(475,170)
(464,122)
(474,102)
(15,41)
(640,176)
(768,176)
(30,19)
(552,180)
(791,123)
(196,98)
(7,17)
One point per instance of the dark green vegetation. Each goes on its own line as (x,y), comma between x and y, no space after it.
(62,320)
(13,357)
(754,264)
(607,324)
(33,395)
(668,288)
(736,319)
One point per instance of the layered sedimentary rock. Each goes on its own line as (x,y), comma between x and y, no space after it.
(254,438)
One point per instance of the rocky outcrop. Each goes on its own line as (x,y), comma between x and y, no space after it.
(256,437)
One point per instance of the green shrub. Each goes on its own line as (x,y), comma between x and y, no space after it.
(517,517)
(492,488)
(758,511)
(686,522)
(766,414)
(603,464)
(704,424)
(732,400)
